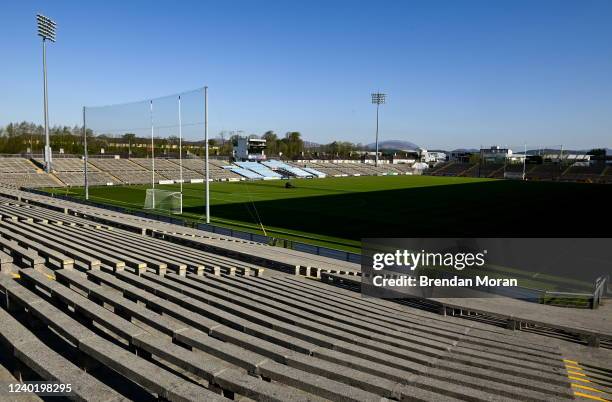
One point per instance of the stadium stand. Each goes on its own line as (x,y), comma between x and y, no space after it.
(165,169)
(249,174)
(187,175)
(287,170)
(545,171)
(327,168)
(217,171)
(68,171)
(193,169)
(338,169)
(453,169)
(260,169)
(403,168)
(16,165)
(472,171)
(29,180)
(95,178)
(67,165)
(606,175)
(18,172)
(591,174)
(438,168)
(492,170)
(314,172)
(123,169)
(154,314)
(71,172)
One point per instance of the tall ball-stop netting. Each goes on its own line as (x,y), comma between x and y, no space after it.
(155,142)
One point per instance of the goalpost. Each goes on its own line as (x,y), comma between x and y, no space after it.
(164,200)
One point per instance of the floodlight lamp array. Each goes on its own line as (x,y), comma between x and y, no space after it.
(46,27)
(379,98)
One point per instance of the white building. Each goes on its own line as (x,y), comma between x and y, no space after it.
(250,149)
(433,157)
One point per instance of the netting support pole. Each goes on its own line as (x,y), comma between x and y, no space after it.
(152,155)
(525,163)
(206,154)
(180,150)
(85,156)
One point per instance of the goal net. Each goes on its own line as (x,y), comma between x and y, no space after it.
(164,200)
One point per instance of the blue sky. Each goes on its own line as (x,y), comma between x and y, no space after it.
(457,73)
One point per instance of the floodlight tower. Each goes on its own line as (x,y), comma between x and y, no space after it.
(378,99)
(46,30)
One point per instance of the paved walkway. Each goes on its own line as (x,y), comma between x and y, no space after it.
(597,321)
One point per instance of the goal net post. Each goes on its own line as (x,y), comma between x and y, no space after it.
(164,200)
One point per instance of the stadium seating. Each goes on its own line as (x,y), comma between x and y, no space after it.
(289,171)
(606,175)
(249,174)
(124,307)
(67,165)
(314,172)
(330,169)
(29,180)
(164,169)
(546,171)
(16,165)
(20,172)
(493,170)
(70,171)
(160,163)
(260,169)
(591,174)
(217,172)
(454,169)
(123,170)
(403,168)
(94,179)
(340,169)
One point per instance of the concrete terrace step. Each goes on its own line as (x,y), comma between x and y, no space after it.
(118,359)
(233,338)
(50,366)
(212,346)
(187,316)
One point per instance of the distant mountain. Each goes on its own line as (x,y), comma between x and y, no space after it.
(394,144)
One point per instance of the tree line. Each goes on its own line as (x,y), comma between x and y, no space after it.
(28,138)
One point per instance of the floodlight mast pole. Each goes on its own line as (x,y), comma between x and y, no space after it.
(376,160)
(378,98)
(46,30)
(206,154)
(46,110)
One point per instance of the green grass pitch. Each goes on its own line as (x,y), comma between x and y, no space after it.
(338,212)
